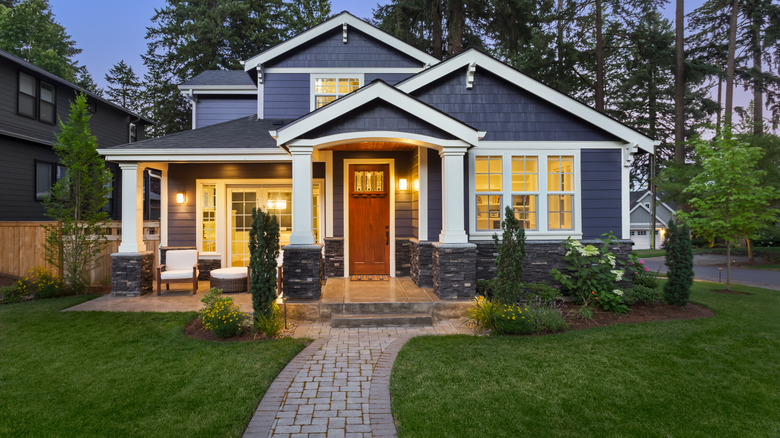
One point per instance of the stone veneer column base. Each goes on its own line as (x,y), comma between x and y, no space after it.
(334,257)
(301,277)
(132,274)
(421,269)
(454,270)
(403,256)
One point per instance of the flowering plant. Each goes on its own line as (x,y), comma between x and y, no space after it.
(611,301)
(642,275)
(221,316)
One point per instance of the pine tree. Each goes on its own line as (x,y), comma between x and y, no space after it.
(124,88)
(509,263)
(85,81)
(77,200)
(679,260)
(263,251)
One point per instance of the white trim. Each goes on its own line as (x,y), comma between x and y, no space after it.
(551,145)
(211,155)
(132,209)
(422,224)
(542,232)
(302,174)
(374,91)
(163,168)
(638,203)
(537,88)
(334,23)
(314,76)
(220,89)
(391,189)
(345,70)
(379,136)
(625,200)
(260,94)
(328,192)
(248,92)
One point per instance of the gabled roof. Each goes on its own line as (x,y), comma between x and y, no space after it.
(15,59)
(220,77)
(473,57)
(337,22)
(377,91)
(637,197)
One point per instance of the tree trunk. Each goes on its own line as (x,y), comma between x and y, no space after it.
(456,23)
(758,85)
(720,106)
(728,264)
(751,256)
(679,84)
(599,94)
(437,33)
(731,61)
(559,36)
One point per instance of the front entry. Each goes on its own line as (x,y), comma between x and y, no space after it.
(369,219)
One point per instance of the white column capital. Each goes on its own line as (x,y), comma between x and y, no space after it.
(448,151)
(300,150)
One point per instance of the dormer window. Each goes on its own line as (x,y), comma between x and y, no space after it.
(327,88)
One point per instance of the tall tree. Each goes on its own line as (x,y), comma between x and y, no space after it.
(124,87)
(731,61)
(679,82)
(29,31)
(85,81)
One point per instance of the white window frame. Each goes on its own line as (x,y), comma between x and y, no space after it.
(507,151)
(314,76)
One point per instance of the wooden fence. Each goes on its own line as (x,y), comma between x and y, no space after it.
(22,247)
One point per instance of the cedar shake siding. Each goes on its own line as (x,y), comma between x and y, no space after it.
(286,95)
(601,192)
(506,112)
(390,78)
(329,51)
(212,111)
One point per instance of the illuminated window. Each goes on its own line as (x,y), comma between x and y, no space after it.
(327,90)
(209,217)
(560,192)
(525,188)
(489,176)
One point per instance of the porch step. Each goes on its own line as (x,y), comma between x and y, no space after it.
(381,320)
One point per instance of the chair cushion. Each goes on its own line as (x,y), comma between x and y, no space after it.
(229,273)
(181,259)
(177,274)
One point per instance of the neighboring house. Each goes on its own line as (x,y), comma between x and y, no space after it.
(395,162)
(31,100)
(641,216)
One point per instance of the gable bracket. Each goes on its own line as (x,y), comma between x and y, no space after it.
(628,153)
(472,69)
(344,33)
(259,74)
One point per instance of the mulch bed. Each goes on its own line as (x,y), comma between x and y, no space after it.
(638,313)
(196,330)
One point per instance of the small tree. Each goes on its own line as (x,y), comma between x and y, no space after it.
(729,200)
(263,251)
(679,260)
(77,200)
(509,263)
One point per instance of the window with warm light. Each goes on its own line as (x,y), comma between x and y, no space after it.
(328,89)
(489,185)
(525,190)
(560,192)
(208,213)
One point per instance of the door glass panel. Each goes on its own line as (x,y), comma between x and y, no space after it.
(240,224)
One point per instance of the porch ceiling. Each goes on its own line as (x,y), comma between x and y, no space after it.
(373,146)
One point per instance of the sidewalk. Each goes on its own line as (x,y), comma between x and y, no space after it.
(705,268)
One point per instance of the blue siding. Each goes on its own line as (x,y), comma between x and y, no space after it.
(390,78)
(330,51)
(286,95)
(434,195)
(212,111)
(601,192)
(505,111)
(378,116)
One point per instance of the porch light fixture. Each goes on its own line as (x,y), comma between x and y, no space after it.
(403,184)
(181,197)
(278,203)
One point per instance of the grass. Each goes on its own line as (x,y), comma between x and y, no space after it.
(125,374)
(714,377)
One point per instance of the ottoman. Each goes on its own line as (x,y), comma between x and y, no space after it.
(230,279)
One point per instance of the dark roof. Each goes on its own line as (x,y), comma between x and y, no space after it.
(221,77)
(55,78)
(636,196)
(246,132)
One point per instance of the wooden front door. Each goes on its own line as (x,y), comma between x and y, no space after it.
(369,219)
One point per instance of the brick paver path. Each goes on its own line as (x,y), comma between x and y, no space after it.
(338,386)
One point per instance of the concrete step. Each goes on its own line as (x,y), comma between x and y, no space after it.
(381,320)
(323,312)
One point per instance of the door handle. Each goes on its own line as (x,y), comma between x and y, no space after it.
(387,237)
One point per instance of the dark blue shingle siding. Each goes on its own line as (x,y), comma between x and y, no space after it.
(601,192)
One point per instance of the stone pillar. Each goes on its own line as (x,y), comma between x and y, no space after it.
(453,228)
(132,274)
(403,256)
(132,209)
(301,196)
(334,257)
(302,275)
(422,263)
(454,270)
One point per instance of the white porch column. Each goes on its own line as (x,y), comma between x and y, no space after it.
(453,223)
(163,167)
(132,209)
(301,196)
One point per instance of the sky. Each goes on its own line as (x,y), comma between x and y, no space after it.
(108,31)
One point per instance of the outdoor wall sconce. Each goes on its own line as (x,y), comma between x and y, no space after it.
(181,197)
(402,184)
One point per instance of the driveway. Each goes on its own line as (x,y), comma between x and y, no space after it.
(705,268)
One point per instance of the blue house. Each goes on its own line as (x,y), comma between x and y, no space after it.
(378,159)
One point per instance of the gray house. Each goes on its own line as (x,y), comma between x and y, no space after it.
(641,218)
(378,159)
(31,100)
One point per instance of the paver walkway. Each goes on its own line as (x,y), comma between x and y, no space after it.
(338,386)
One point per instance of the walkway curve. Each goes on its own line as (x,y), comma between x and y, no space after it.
(338,386)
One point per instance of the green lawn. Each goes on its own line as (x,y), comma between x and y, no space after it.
(714,377)
(125,374)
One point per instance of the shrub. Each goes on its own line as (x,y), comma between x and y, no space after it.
(547,318)
(611,301)
(44,284)
(508,286)
(15,293)
(512,319)
(270,325)
(641,294)
(263,250)
(643,276)
(591,269)
(679,259)
(220,316)
(541,290)
(485,287)
(482,315)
